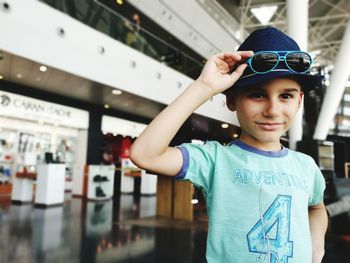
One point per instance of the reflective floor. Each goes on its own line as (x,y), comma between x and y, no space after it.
(81,231)
(120,230)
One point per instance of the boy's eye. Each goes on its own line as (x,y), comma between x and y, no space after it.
(286,96)
(257,95)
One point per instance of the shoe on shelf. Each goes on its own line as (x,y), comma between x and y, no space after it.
(104,179)
(99,179)
(99,192)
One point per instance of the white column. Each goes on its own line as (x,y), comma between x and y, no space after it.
(80,162)
(335,91)
(297,21)
(82,148)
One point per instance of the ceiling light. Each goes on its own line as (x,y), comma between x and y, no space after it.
(264,13)
(116,92)
(106,106)
(224,125)
(43,68)
(1,76)
(19,75)
(119,2)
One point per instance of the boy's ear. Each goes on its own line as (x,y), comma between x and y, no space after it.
(301,95)
(230,102)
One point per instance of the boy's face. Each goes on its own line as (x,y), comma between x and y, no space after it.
(265,113)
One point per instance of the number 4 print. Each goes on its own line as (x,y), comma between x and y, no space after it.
(276,222)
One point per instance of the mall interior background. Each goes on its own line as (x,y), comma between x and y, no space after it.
(80,80)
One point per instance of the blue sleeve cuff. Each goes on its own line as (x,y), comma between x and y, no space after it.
(185,164)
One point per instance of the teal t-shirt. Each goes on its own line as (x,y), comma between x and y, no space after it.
(257,201)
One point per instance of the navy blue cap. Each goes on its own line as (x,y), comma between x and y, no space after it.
(272,39)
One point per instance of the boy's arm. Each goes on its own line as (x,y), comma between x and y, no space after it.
(318,221)
(151,150)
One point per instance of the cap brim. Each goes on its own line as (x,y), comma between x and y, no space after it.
(308,82)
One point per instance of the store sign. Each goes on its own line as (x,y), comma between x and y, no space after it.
(17,106)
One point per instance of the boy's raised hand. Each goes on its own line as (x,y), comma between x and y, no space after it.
(216,73)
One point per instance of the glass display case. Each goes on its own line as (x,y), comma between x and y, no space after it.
(66,153)
(7,154)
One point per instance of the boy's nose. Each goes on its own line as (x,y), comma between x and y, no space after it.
(271,109)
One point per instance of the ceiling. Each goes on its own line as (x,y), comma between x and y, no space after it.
(327,22)
(23,71)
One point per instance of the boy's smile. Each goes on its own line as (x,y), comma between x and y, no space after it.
(265,113)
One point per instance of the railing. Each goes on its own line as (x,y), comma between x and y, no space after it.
(102,18)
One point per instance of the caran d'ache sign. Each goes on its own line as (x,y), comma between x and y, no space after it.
(21,107)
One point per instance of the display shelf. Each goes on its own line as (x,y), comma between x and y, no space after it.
(22,190)
(26,175)
(100,182)
(148,183)
(79,175)
(128,171)
(50,184)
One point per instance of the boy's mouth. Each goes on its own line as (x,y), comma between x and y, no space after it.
(267,126)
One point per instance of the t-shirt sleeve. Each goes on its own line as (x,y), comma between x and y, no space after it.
(198,163)
(319,186)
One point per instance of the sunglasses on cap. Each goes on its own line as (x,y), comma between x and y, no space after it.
(265,61)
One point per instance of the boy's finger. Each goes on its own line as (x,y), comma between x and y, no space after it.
(238,72)
(235,55)
(245,54)
(229,55)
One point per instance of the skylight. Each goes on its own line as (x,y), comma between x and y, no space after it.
(264,13)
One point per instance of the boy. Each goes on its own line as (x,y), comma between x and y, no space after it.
(264,201)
